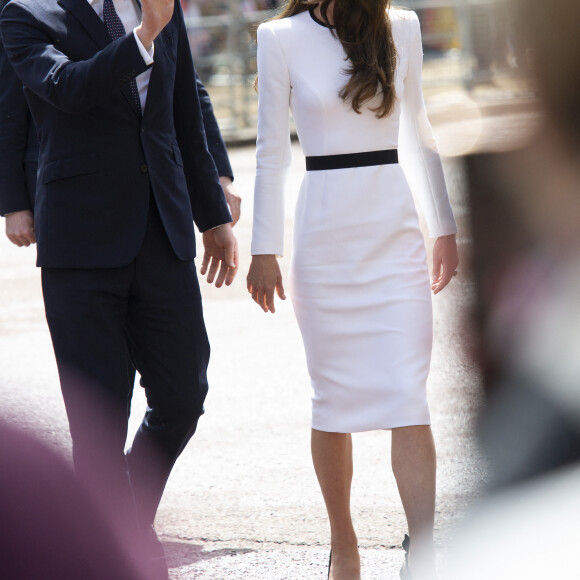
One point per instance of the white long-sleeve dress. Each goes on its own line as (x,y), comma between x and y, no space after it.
(358,279)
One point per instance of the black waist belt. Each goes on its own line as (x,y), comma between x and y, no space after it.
(346,160)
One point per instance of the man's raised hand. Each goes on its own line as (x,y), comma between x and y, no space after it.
(155,16)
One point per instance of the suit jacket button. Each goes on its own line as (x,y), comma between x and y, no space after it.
(144,168)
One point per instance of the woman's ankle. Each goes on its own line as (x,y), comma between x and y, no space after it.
(345,563)
(344,543)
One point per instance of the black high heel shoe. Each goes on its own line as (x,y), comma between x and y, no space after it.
(329,563)
(404,574)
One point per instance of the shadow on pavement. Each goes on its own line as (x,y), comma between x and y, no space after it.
(184,553)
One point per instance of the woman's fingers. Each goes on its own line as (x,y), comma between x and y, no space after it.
(445,261)
(279,289)
(264,279)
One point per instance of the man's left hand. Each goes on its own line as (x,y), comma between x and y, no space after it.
(234,200)
(20,228)
(220,256)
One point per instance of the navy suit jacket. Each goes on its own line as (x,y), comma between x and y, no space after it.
(18,143)
(99,160)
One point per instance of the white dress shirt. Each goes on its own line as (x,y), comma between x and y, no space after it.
(130,16)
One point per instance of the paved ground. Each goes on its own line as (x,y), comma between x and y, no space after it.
(243,501)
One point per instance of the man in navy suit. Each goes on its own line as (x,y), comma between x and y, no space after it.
(123,172)
(19,155)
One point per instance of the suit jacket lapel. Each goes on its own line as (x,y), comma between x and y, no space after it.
(88,18)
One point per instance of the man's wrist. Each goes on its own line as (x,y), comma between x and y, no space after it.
(216,227)
(17,212)
(144,37)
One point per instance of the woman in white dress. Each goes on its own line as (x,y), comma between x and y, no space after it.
(350,70)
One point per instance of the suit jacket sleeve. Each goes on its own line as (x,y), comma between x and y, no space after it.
(418,153)
(73,87)
(13,140)
(208,202)
(215,142)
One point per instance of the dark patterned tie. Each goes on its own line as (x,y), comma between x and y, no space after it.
(116,30)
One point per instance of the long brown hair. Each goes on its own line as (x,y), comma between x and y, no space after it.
(364,30)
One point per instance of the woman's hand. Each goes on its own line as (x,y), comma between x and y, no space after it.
(263,278)
(445,262)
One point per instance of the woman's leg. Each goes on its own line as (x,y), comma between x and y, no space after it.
(414,465)
(332,457)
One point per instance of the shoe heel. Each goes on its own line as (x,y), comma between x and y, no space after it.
(404,574)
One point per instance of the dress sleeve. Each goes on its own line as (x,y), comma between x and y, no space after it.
(273,153)
(418,153)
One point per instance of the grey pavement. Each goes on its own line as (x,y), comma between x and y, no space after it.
(243,501)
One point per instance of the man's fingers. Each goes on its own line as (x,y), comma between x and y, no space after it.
(213,269)
(231,275)
(22,240)
(222,274)
(232,263)
(205,263)
(230,254)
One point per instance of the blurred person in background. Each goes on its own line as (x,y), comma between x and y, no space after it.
(525,208)
(51,526)
(359,277)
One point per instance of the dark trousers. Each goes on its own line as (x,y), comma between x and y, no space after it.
(104,321)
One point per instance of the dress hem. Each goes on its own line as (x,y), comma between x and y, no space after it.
(367,429)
